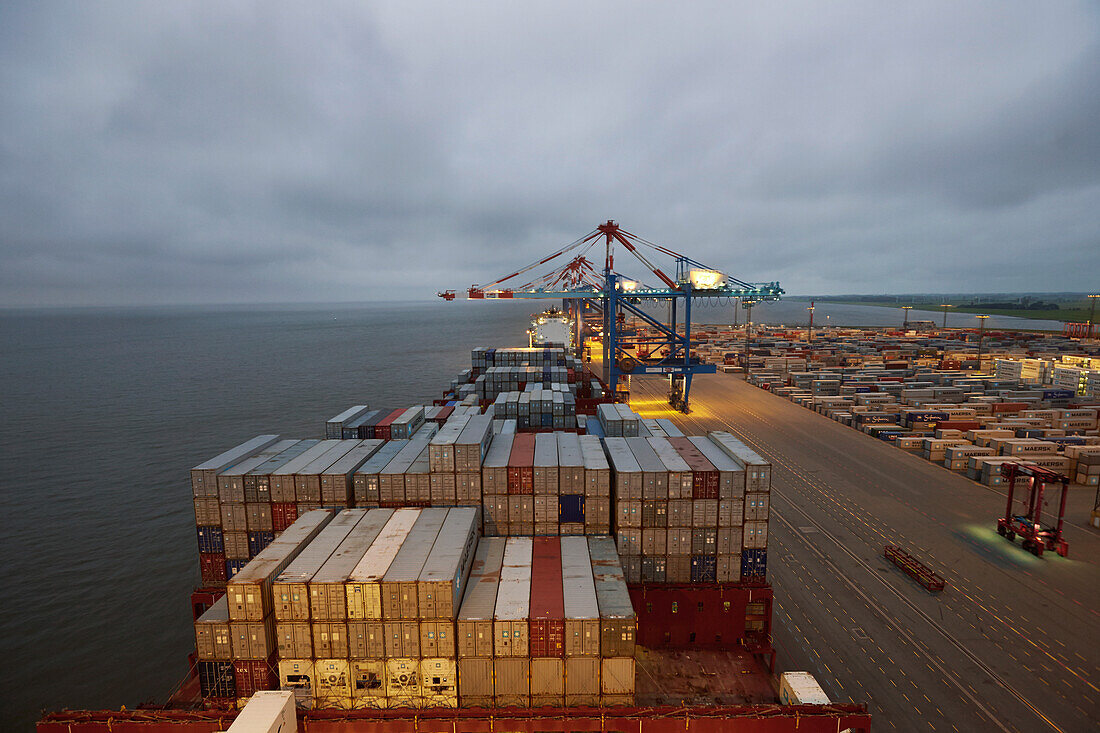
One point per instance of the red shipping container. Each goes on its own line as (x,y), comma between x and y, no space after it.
(958,425)
(1010,406)
(521,465)
(704,476)
(212,567)
(546,628)
(382,429)
(444,413)
(283,515)
(254,674)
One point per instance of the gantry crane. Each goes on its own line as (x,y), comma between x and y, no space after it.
(580,286)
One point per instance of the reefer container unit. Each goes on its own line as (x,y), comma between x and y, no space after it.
(204,480)
(475,616)
(399,585)
(249,592)
(513,603)
(618,622)
(364,592)
(307,481)
(282,478)
(337,487)
(212,639)
(443,577)
(290,591)
(327,596)
(366,479)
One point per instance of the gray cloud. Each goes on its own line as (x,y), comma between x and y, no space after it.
(228,152)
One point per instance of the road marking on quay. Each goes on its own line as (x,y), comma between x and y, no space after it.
(900,629)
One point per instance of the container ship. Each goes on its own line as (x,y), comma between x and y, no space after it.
(525,553)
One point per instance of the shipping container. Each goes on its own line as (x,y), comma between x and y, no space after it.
(582,681)
(581,610)
(758,471)
(253,639)
(327,595)
(731,474)
(399,584)
(513,603)
(257,482)
(570,465)
(443,578)
(297,675)
(494,471)
(294,639)
(617,681)
(704,473)
(363,589)
(679,473)
(618,623)
(473,444)
(475,682)
(547,682)
(331,683)
(337,485)
(521,478)
(334,425)
(231,480)
(654,473)
(476,614)
(204,476)
(512,681)
(217,679)
(307,481)
(365,481)
(368,682)
(290,590)
(249,592)
(282,478)
(403,683)
(546,628)
(627,474)
(439,682)
(212,636)
(254,675)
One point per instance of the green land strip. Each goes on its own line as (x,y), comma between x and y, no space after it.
(1064,314)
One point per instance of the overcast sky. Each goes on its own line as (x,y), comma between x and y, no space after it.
(178,152)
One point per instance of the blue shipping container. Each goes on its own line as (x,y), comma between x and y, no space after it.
(232,567)
(571,508)
(217,679)
(211,539)
(257,541)
(704,568)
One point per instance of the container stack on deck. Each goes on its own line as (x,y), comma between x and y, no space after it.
(580,530)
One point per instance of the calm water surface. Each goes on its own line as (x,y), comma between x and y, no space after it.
(103,413)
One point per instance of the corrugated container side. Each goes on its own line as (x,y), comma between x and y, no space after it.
(547,606)
(204,476)
(363,590)
(399,585)
(618,623)
(443,577)
(290,592)
(475,616)
(512,610)
(249,592)
(327,595)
